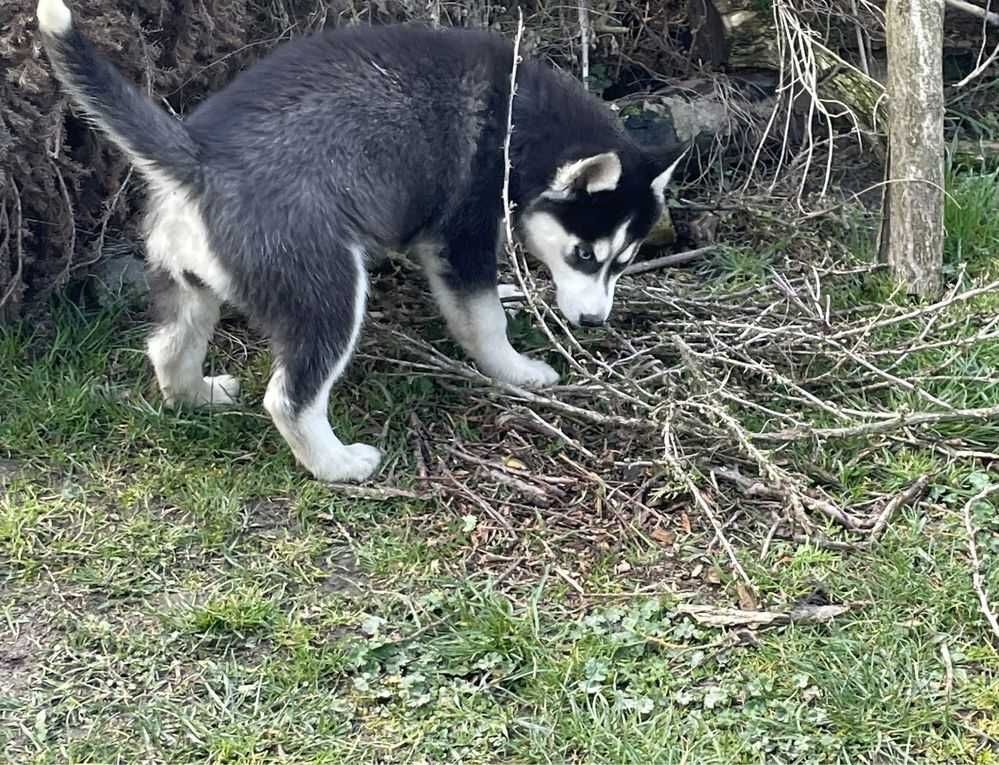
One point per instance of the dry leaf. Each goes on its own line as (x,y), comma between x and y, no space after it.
(480,536)
(663,536)
(513,463)
(747,598)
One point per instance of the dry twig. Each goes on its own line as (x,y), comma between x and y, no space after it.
(902,420)
(666,261)
(977,580)
(713,616)
(910,495)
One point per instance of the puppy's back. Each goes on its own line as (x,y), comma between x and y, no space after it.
(387,121)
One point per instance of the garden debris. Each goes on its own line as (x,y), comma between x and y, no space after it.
(713,616)
(663,426)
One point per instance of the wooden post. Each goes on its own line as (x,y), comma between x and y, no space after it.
(915,197)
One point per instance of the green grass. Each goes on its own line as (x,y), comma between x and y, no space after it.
(176,591)
(971,221)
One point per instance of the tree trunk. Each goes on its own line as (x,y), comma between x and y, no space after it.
(915,204)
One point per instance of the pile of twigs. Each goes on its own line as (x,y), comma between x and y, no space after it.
(698,400)
(712,400)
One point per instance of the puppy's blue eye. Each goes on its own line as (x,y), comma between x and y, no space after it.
(582,252)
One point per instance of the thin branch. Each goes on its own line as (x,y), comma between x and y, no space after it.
(714,616)
(668,260)
(977,71)
(584,41)
(861,40)
(17,227)
(977,580)
(899,500)
(380,492)
(673,461)
(981,414)
(975,10)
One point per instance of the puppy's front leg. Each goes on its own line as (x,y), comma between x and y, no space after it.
(477,321)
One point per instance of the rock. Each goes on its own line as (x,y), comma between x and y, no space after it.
(704,229)
(120,277)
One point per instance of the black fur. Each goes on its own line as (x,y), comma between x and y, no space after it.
(367,137)
(194,280)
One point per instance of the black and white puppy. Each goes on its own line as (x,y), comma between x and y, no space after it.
(273,192)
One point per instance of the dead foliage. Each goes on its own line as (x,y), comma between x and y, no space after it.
(63,189)
(699,407)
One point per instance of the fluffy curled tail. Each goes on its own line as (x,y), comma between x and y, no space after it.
(156,143)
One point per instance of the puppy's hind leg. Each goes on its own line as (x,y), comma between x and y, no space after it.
(187,312)
(311,354)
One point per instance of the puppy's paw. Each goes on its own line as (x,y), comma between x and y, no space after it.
(351,463)
(222,390)
(528,373)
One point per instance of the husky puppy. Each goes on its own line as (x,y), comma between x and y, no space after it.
(272,192)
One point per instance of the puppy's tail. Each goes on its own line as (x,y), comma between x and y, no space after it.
(156,143)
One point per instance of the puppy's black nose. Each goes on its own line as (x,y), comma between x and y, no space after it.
(590,320)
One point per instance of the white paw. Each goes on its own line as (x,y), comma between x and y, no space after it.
(54,17)
(355,462)
(222,390)
(529,373)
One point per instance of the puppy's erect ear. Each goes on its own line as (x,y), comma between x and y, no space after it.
(600,172)
(661,181)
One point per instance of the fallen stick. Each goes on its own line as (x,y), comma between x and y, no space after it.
(376,492)
(821,542)
(977,580)
(782,491)
(494,386)
(882,426)
(914,492)
(737,617)
(674,463)
(961,297)
(668,260)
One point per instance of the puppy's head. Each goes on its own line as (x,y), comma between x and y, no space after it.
(588,224)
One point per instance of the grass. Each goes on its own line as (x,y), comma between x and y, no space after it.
(972,226)
(176,591)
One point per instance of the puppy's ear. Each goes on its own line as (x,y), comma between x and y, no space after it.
(661,181)
(601,172)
